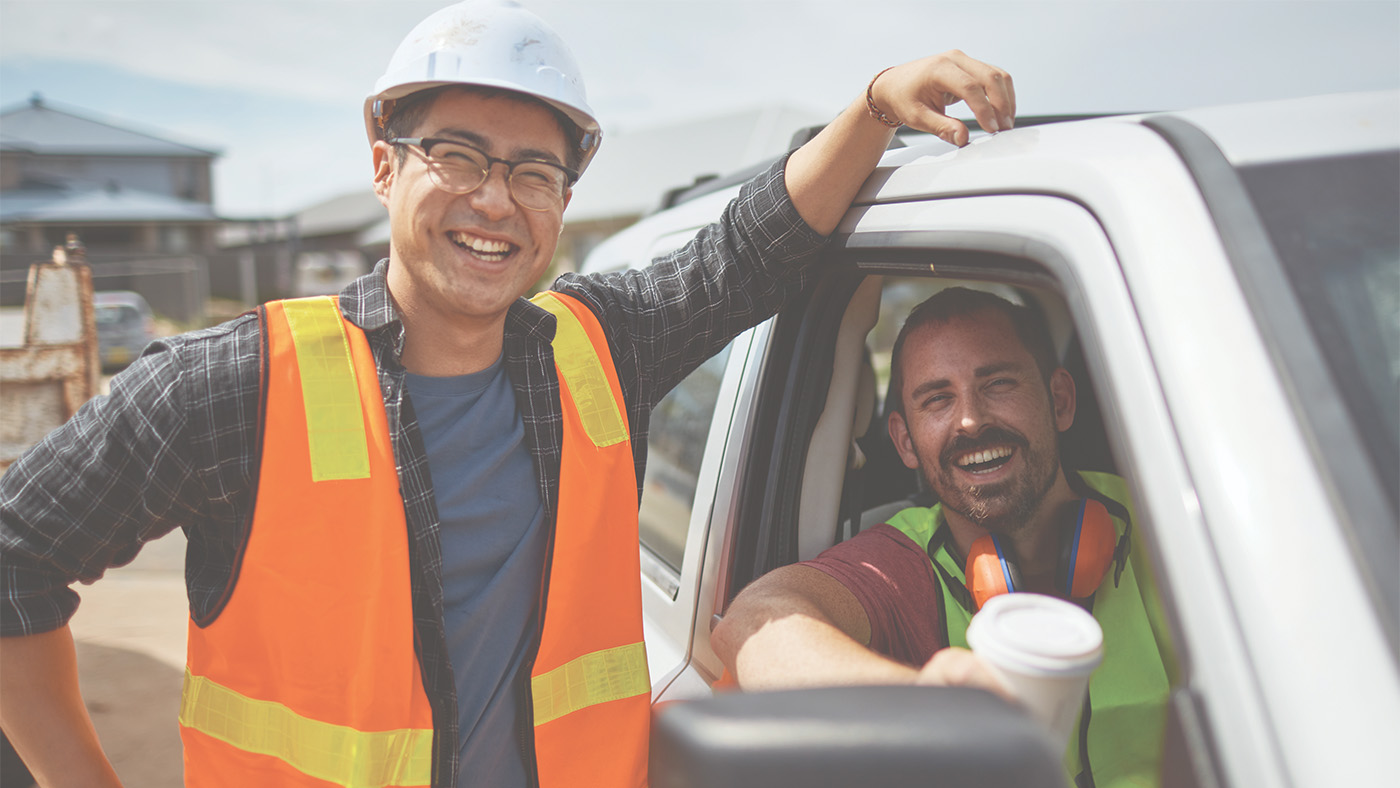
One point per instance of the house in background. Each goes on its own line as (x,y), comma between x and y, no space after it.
(316,251)
(142,205)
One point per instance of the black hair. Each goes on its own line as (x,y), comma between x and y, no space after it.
(407,113)
(955,302)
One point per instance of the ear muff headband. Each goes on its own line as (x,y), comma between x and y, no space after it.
(1087,550)
(1010,574)
(1069,543)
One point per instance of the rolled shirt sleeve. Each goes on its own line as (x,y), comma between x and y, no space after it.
(894,582)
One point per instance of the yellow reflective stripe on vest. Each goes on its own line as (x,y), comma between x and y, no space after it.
(335,424)
(610,674)
(578,364)
(334,753)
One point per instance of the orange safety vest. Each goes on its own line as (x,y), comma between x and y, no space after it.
(308,675)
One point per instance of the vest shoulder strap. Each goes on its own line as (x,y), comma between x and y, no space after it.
(579,342)
(330,392)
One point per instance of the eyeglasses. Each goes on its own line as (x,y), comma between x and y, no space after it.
(459,168)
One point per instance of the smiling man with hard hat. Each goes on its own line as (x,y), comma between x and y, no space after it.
(412,509)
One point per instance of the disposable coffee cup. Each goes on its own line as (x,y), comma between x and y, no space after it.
(1045,649)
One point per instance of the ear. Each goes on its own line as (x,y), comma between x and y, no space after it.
(1062,395)
(903,443)
(568,195)
(384,159)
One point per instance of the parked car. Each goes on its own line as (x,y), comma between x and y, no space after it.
(125,325)
(1224,284)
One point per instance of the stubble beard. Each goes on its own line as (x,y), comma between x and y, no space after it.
(1005,507)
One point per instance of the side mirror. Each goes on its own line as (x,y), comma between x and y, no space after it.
(868,737)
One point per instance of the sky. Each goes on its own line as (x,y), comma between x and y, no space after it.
(278,87)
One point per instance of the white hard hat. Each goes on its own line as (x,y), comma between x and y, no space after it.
(493,43)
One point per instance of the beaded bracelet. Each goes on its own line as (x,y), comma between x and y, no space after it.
(874,110)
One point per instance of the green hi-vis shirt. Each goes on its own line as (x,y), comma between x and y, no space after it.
(1128,692)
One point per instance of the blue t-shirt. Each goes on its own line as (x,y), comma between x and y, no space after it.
(493,553)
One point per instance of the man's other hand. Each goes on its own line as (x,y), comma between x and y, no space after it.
(919,93)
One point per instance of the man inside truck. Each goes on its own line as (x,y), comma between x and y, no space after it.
(979,403)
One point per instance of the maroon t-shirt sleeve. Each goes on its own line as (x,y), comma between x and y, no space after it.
(894,581)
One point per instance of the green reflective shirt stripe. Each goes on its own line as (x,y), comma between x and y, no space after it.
(582,370)
(334,753)
(335,424)
(1129,691)
(610,674)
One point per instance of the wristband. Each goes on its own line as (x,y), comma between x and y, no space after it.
(874,110)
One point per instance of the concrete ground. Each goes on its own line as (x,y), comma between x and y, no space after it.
(130,633)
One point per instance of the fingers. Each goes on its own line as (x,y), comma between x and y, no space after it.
(988,89)
(958,667)
(948,129)
(918,93)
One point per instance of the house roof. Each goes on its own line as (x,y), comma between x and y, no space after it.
(347,213)
(634,169)
(46,205)
(37,127)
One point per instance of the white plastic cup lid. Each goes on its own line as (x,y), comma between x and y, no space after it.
(1037,634)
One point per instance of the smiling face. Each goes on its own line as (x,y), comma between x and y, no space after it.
(462,259)
(978,419)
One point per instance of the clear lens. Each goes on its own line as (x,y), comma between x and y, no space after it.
(460,169)
(537,186)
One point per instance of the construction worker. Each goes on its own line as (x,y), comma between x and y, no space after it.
(412,509)
(979,401)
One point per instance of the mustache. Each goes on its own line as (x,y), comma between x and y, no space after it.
(991,436)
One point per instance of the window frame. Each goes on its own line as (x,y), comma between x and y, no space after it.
(1035,255)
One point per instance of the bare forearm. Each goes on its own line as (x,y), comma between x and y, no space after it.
(42,711)
(801,650)
(824,175)
(799,627)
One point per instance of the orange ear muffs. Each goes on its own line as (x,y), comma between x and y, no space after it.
(1086,551)
(990,571)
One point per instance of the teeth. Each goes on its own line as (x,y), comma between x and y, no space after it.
(986,455)
(480,245)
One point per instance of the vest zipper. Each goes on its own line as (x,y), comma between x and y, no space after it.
(1085,778)
(434,705)
(526,732)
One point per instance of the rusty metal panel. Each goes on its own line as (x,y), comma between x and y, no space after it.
(31,410)
(43,383)
(33,362)
(54,304)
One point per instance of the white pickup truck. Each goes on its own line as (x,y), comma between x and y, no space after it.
(1224,284)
